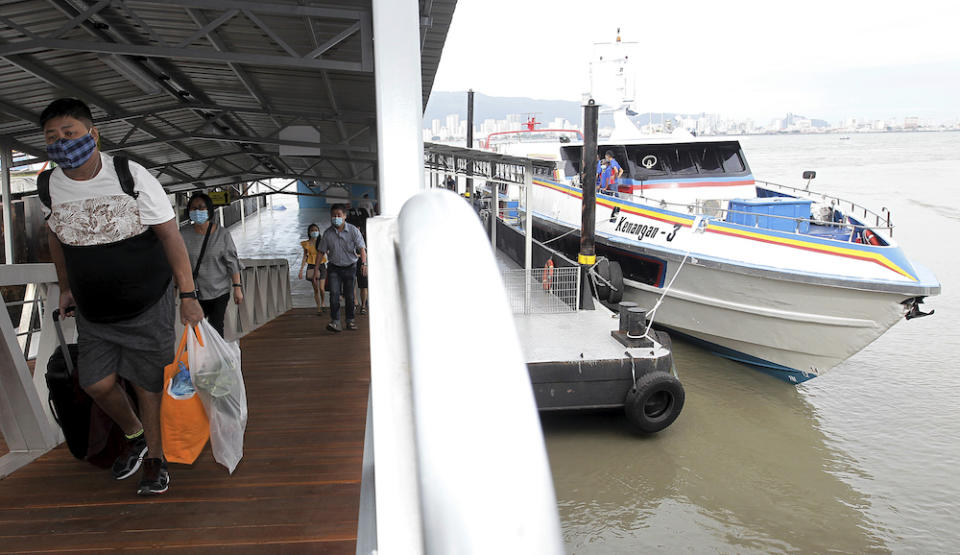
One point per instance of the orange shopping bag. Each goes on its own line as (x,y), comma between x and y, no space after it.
(184,425)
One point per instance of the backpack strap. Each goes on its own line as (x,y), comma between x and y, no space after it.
(43,189)
(122,165)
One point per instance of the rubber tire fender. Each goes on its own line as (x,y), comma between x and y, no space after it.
(654,402)
(603,270)
(616,279)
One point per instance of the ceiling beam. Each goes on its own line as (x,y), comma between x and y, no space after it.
(249,139)
(197,54)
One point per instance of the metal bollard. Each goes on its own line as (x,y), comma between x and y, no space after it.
(624,307)
(636,321)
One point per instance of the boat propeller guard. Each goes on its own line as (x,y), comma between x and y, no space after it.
(913,306)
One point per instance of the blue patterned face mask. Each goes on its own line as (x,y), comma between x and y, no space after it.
(72,153)
(314,234)
(337,222)
(199,216)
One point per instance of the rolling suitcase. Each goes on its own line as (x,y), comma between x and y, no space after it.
(91,435)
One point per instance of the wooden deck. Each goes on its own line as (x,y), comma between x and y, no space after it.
(296,490)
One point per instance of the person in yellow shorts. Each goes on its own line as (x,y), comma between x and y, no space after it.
(310,263)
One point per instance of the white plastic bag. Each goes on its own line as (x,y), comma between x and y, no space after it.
(215,372)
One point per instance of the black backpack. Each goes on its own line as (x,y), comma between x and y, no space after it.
(120,163)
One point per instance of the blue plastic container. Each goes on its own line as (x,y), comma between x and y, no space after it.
(756,212)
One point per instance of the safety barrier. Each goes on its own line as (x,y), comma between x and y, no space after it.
(266,293)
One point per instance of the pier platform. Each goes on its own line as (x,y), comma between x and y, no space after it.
(297,488)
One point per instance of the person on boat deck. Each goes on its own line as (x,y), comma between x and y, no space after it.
(118,255)
(611,173)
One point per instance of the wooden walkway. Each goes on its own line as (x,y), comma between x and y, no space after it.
(296,490)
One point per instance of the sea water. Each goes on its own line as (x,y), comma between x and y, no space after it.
(862,459)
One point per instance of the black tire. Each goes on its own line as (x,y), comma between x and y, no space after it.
(603,270)
(616,279)
(654,402)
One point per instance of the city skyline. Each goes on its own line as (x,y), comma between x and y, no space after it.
(453,127)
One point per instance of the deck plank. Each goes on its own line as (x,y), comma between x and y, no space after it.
(296,490)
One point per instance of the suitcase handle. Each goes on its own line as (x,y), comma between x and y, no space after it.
(63,342)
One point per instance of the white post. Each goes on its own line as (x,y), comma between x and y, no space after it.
(243,202)
(259,208)
(528,231)
(494,210)
(6,160)
(220,211)
(396,26)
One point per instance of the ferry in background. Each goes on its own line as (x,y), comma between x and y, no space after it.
(785,279)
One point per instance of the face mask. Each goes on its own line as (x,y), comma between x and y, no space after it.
(337,222)
(314,234)
(72,153)
(199,216)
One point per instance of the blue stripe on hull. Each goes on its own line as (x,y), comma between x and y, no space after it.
(787,374)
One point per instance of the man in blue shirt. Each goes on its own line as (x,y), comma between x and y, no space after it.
(343,244)
(611,172)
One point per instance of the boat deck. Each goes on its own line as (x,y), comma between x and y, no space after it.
(297,488)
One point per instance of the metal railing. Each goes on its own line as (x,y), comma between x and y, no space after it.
(27,426)
(26,423)
(542,290)
(722,214)
(840,203)
(462,471)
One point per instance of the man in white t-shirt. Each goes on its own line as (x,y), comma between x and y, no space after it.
(117,255)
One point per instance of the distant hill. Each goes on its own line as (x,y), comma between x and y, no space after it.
(444,103)
(497,107)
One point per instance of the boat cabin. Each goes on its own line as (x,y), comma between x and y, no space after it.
(675,171)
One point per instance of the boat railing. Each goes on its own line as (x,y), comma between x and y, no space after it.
(719,213)
(454,458)
(881,220)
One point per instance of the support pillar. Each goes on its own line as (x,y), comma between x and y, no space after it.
(588,182)
(6,160)
(396,24)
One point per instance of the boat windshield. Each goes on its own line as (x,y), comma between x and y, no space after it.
(653,161)
(664,160)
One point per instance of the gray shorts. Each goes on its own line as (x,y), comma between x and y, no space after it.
(136,349)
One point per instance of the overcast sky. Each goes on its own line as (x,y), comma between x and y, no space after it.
(742,59)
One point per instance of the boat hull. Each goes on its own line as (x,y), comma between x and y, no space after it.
(782,317)
(792,330)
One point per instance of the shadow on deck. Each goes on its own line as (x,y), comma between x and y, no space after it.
(296,489)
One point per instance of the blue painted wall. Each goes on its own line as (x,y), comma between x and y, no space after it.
(356,191)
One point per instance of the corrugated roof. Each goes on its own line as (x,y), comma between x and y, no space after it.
(198,90)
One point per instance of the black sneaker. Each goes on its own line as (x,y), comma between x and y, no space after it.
(129,460)
(351,325)
(334,326)
(155,479)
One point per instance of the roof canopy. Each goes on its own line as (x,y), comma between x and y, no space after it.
(208,92)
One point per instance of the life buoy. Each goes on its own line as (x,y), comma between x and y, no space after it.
(548,275)
(871,238)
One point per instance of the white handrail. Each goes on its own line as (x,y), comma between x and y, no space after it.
(485,482)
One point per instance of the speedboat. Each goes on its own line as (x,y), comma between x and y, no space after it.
(785,279)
